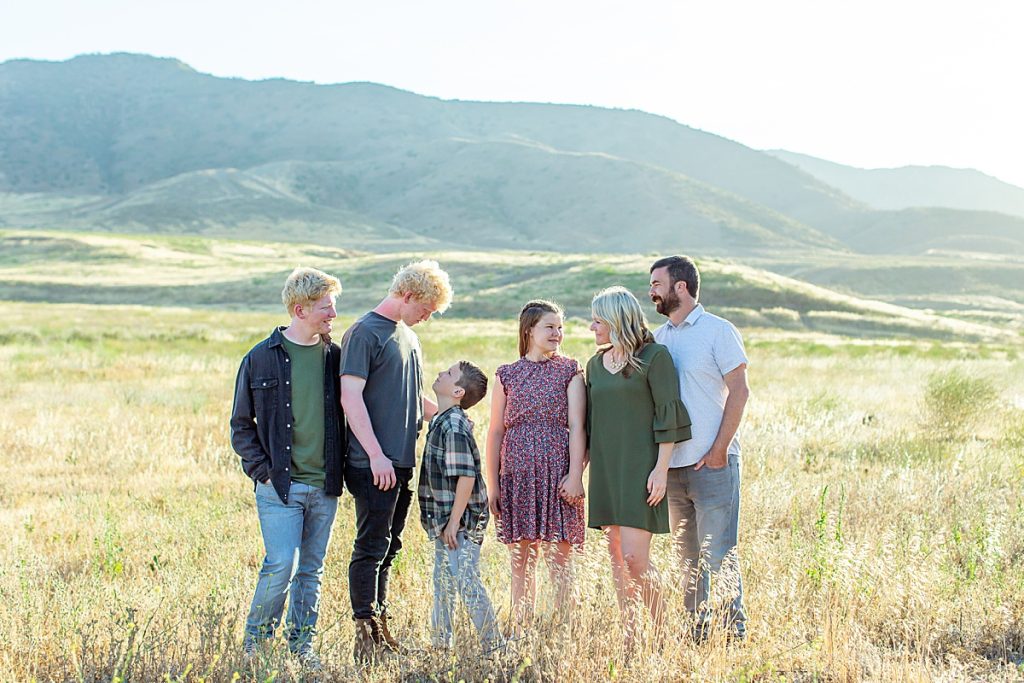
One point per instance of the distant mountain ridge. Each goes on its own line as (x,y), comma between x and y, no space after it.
(135,143)
(914,186)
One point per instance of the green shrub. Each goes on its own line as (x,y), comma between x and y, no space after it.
(955,403)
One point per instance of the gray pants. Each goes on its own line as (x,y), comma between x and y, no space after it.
(704,510)
(458,571)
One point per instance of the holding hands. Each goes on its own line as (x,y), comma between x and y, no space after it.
(571,488)
(494,501)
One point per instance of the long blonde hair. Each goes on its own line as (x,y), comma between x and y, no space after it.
(627,325)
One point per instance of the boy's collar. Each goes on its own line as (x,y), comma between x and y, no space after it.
(447,410)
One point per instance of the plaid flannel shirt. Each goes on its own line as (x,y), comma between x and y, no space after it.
(451,453)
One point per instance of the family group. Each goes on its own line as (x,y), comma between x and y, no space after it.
(653,415)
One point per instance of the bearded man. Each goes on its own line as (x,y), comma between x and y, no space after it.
(704,474)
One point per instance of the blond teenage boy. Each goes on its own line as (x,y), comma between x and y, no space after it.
(287,426)
(382,395)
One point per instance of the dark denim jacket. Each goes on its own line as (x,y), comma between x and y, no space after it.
(262,416)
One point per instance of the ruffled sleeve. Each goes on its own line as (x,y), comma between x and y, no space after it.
(572,368)
(502,374)
(671,421)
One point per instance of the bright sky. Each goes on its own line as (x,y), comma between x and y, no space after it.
(871,83)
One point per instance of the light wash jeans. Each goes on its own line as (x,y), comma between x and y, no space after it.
(458,571)
(704,510)
(295,535)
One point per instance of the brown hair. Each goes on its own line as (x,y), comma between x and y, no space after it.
(474,381)
(680,268)
(531,314)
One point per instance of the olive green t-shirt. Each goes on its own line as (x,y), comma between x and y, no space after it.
(308,411)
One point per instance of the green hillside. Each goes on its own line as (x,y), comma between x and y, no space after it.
(172,150)
(456,193)
(121,121)
(919,231)
(966,285)
(134,144)
(174,271)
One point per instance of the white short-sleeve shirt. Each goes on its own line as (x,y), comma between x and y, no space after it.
(704,348)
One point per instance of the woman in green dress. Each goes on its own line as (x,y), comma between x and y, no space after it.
(634,419)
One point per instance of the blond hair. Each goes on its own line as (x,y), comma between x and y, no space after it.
(306,285)
(426,282)
(627,325)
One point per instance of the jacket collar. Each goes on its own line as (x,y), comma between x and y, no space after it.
(277,337)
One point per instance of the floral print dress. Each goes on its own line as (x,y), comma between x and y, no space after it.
(535,453)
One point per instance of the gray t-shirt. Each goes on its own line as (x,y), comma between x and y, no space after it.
(387,355)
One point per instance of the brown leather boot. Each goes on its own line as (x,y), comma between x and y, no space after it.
(369,645)
(389,640)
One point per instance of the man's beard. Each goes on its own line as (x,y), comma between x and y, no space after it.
(670,302)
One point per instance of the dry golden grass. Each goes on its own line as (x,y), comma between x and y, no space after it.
(872,549)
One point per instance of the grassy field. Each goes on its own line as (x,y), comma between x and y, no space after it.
(235,275)
(986,288)
(882,528)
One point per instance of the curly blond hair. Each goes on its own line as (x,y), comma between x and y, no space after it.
(426,282)
(306,285)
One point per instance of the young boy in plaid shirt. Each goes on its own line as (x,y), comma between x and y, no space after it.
(453,506)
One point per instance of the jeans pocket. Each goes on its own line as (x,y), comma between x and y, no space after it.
(712,488)
(361,486)
(381,501)
(355,480)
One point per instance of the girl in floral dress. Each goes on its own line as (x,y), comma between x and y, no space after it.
(535,456)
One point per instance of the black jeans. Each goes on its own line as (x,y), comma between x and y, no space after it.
(380,520)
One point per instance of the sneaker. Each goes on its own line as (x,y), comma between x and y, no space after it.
(700,632)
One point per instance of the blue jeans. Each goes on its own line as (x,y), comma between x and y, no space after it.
(295,535)
(458,571)
(703,511)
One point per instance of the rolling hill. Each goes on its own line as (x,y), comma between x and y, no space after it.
(914,186)
(132,143)
(187,271)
